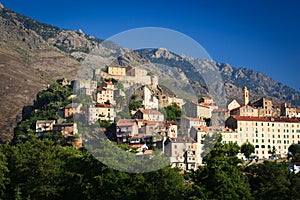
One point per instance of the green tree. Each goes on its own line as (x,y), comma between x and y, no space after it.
(134,104)
(270,180)
(173,112)
(247,149)
(4,180)
(294,149)
(222,177)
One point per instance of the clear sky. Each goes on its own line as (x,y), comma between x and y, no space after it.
(261,35)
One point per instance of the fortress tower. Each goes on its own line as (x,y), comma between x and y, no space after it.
(245,96)
(154,82)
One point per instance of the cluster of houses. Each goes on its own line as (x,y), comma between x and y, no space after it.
(268,126)
(67,129)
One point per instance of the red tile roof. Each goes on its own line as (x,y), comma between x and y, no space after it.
(126,122)
(265,119)
(104,106)
(194,119)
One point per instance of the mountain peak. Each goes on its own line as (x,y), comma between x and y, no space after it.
(164,53)
(1,6)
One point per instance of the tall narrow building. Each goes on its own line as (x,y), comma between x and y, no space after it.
(245,96)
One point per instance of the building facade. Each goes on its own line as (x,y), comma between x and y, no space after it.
(266,133)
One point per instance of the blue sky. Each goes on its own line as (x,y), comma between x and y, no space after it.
(261,35)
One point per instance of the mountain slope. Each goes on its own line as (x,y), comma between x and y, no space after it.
(28,63)
(234,79)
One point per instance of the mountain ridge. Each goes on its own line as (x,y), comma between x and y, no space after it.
(34,54)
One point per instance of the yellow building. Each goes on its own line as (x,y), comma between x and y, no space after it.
(245,111)
(116,70)
(266,133)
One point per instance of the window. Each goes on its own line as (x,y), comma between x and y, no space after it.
(263,146)
(257,146)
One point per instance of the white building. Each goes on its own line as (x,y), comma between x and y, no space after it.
(100,112)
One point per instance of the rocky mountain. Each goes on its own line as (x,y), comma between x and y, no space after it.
(34,54)
(234,79)
(28,63)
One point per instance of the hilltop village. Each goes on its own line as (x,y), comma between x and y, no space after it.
(132,108)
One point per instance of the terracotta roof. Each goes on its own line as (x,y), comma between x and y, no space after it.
(265,119)
(104,106)
(108,83)
(205,105)
(126,122)
(169,123)
(194,119)
(137,136)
